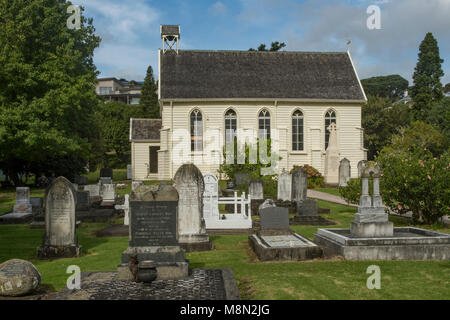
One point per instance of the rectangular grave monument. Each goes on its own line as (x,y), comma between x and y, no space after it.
(154,234)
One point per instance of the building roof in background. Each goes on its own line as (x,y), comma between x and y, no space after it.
(196,74)
(145,129)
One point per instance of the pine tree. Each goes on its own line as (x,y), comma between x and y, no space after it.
(149,99)
(427,87)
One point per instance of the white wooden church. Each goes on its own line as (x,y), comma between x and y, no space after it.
(208,97)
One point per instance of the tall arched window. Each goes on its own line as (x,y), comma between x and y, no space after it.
(264,124)
(196,131)
(230,126)
(297,131)
(330,117)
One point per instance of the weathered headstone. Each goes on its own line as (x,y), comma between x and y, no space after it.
(299,185)
(106,173)
(371,220)
(211,196)
(154,234)
(274,218)
(256,189)
(126,209)
(60,238)
(308,208)
(18,278)
(188,181)
(332,157)
(284,186)
(129,172)
(360,168)
(23,204)
(344,172)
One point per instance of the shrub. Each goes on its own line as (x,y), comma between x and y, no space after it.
(315,178)
(352,192)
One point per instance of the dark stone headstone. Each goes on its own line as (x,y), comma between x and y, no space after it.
(299,184)
(308,208)
(274,218)
(36,203)
(153,223)
(241,178)
(83,200)
(106,173)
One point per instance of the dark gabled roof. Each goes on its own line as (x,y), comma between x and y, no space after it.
(145,129)
(194,74)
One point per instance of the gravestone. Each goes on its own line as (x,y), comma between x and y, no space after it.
(135,184)
(105,180)
(371,220)
(94,190)
(274,218)
(332,157)
(106,173)
(126,209)
(83,200)
(18,278)
(284,186)
(256,189)
(268,203)
(129,172)
(361,167)
(188,181)
(60,238)
(36,203)
(344,172)
(308,208)
(108,194)
(211,197)
(23,204)
(154,234)
(299,185)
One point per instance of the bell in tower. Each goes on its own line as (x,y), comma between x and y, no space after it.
(170,35)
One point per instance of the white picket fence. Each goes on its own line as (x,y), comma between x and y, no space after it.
(240,219)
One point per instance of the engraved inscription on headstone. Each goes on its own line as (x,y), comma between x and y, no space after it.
(153,223)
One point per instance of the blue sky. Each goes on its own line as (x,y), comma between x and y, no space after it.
(131,39)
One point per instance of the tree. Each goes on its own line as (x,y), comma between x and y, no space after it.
(416,173)
(115,132)
(275,46)
(391,87)
(380,120)
(427,88)
(47,95)
(149,100)
(439,116)
(447,88)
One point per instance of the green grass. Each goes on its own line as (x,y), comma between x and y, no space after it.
(333,191)
(317,279)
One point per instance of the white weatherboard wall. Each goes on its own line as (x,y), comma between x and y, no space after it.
(175,115)
(140,155)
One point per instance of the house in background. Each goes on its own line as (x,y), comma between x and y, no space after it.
(112,89)
(296,95)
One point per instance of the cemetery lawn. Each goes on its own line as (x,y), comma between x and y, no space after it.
(317,279)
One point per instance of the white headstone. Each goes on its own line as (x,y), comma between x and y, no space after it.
(211,196)
(108,192)
(23,204)
(129,172)
(126,208)
(256,189)
(332,157)
(344,172)
(284,186)
(188,181)
(94,190)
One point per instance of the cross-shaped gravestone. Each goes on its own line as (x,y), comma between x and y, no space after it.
(126,208)
(332,127)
